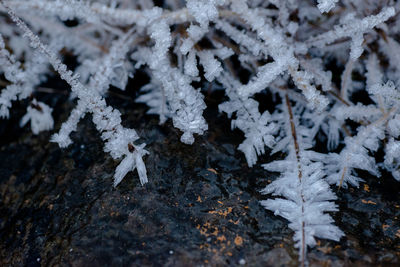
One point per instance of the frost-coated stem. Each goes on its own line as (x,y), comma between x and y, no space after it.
(300,175)
(119,140)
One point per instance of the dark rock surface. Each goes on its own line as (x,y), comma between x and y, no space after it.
(200,207)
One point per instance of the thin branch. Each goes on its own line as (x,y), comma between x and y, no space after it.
(300,175)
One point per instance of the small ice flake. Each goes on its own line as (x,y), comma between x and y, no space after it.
(39,114)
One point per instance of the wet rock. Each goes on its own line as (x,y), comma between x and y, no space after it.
(200,207)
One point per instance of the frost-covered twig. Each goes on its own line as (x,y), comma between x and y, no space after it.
(23,81)
(119,140)
(306,196)
(355,29)
(259,128)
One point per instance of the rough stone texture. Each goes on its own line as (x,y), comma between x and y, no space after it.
(200,207)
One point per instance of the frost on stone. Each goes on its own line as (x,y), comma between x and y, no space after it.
(290,75)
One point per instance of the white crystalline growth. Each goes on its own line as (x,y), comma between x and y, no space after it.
(354,28)
(39,114)
(131,162)
(304,204)
(204,10)
(302,196)
(326,5)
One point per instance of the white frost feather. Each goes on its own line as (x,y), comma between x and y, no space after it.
(39,114)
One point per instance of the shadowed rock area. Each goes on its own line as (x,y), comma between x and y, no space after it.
(200,207)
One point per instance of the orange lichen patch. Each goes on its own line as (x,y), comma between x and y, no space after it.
(199,199)
(368,202)
(204,246)
(234,222)
(215,232)
(366,187)
(337,247)
(281,245)
(114,213)
(397,233)
(238,240)
(221,238)
(218,239)
(203,231)
(212,170)
(385,227)
(223,212)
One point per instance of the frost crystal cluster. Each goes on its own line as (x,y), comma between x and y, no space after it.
(327,69)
